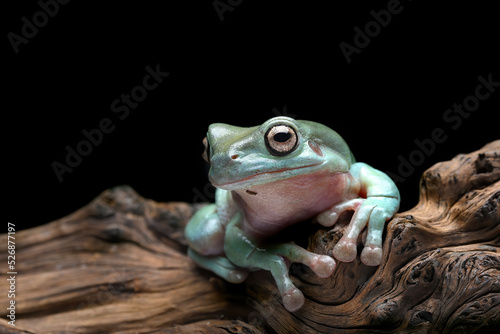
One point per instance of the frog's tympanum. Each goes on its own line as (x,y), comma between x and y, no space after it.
(271,176)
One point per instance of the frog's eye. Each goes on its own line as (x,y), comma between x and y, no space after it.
(281,140)
(206,151)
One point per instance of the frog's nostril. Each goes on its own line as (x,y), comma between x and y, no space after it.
(235,156)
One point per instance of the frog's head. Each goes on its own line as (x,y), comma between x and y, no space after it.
(278,149)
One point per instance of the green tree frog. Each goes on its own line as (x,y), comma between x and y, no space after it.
(280,173)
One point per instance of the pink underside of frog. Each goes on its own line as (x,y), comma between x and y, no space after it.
(268,211)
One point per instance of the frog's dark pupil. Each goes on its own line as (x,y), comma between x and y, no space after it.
(282,137)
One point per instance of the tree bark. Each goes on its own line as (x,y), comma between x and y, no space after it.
(119,264)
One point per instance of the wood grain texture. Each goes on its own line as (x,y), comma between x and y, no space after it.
(119,265)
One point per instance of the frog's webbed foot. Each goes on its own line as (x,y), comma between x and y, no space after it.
(277,260)
(322,265)
(278,265)
(381,209)
(329,217)
(345,250)
(292,297)
(372,213)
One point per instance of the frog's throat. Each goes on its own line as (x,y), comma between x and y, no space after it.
(249,180)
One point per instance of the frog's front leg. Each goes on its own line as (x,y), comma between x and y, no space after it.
(245,252)
(381,203)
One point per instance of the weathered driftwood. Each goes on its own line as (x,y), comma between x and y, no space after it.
(119,265)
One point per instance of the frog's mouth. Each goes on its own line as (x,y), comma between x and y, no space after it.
(264,177)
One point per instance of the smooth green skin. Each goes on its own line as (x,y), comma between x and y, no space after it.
(259,194)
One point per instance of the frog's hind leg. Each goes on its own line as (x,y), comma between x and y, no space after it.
(205,236)
(220,266)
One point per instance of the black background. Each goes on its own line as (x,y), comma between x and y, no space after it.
(262,59)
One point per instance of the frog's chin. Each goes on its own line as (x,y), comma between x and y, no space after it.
(267,177)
